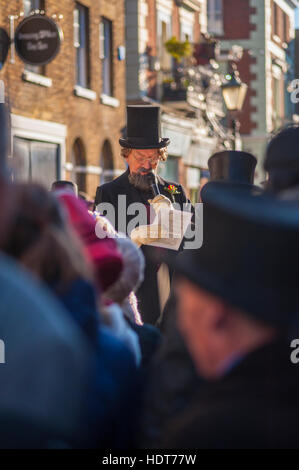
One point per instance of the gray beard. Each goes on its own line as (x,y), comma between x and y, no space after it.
(139,181)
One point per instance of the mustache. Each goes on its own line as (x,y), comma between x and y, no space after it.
(140,181)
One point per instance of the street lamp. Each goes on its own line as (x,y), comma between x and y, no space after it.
(234,94)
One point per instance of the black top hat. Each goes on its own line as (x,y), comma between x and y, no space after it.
(143,128)
(250,253)
(232,166)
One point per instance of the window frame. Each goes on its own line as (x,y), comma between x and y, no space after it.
(215,20)
(275,19)
(82,79)
(31,144)
(162,54)
(107,62)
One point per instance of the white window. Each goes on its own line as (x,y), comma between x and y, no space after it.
(106,54)
(81,43)
(187,20)
(163,34)
(30,5)
(38,150)
(215,17)
(186,32)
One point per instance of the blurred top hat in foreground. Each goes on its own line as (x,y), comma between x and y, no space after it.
(232,166)
(65,185)
(250,253)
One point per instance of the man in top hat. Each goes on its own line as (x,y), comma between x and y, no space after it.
(234,168)
(237,304)
(169,392)
(143,149)
(40,404)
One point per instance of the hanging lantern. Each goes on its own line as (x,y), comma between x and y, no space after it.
(234,91)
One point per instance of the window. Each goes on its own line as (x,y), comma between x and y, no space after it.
(106,163)
(81,43)
(170,169)
(186,34)
(163,34)
(215,17)
(106,54)
(278,101)
(36,161)
(28,6)
(79,164)
(285,28)
(275,18)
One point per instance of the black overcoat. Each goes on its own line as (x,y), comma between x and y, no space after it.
(147,294)
(255,405)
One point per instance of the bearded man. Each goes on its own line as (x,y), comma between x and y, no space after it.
(143,149)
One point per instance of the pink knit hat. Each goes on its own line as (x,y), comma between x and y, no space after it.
(103,253)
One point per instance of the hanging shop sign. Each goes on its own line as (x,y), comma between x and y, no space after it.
(38,39)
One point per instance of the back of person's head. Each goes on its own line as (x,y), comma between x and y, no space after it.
(282,160)
(132,274)
(39,236)
(65,185)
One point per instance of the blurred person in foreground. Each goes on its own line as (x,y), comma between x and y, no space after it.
(119,309)
(41,406)
(122,293)
(173,376)
(41,239)
(66,185)
(107,263)
(238,309)
(282,164)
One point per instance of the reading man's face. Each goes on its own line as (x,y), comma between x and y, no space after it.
(143,161)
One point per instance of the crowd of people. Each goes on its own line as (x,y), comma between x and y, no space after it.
(98,356)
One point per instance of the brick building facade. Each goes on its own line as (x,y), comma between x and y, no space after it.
(67,117)
(151,79)
(265,30)
(150,23)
